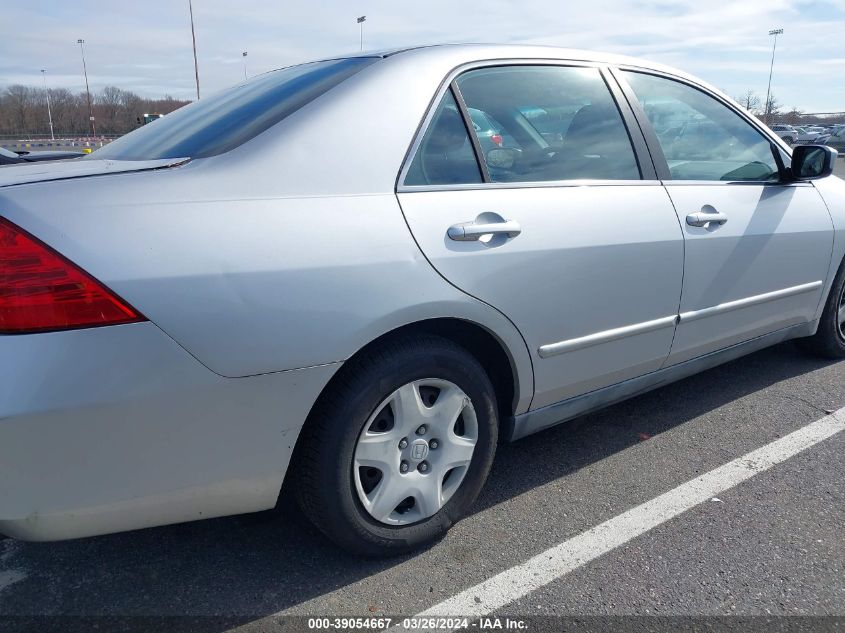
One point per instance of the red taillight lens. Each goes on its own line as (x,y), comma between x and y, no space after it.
(497,139)
(42,291)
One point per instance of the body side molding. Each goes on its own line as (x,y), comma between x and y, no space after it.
(694,315)
(539,419)
(553,349)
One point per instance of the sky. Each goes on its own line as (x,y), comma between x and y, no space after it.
(145,46)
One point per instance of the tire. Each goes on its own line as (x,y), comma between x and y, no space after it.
(829,339)
(346,430)
(789,140)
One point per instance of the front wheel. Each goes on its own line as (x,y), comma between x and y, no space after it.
(400,447)
(829,339)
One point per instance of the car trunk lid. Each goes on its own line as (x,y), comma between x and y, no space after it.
(40,172)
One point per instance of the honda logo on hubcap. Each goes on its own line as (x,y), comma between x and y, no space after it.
(419,450)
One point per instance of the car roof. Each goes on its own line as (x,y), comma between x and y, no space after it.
(454,55)
(479,51)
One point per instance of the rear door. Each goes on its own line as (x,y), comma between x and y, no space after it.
(757,249)
(563,228)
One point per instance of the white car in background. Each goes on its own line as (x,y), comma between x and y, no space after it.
(788,133)
(807,136)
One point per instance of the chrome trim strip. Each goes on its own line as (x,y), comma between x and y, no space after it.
(553,349)
(581,182)
(538,419)
(694,315)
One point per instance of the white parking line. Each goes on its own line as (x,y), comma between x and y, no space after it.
(516,582)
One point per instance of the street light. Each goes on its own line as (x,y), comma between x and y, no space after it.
(49,111)
(244,54)
(774,32)
(81,43)
(194,41)
(361,21)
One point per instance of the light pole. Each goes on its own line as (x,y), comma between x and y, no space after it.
(81,43)
(49,111)
(774,32)
(194,41)
(361,21)
(244,54)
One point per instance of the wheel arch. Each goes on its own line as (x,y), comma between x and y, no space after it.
(501,364)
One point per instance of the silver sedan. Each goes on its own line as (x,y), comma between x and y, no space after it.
(331,276)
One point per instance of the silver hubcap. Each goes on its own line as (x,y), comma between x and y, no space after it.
(840,317)
(414,451)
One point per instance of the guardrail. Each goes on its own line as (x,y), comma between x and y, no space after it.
(58,143)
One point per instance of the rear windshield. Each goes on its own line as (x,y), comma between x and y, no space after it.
(229,118)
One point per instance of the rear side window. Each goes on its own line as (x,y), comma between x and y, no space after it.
(445,155)
(554,123)
(224,121)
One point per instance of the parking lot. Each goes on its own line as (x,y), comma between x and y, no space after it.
(770,545)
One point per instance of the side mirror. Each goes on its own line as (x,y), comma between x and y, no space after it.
(502,157)
(810,162)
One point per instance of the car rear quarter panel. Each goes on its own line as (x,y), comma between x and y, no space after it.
(253,284)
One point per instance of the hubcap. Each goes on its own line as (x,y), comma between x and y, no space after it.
(414,451)
(840,317)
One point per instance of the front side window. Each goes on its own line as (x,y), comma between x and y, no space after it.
(547,123)
(701,138)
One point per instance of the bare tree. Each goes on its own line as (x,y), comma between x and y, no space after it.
(23,111)
(750,101)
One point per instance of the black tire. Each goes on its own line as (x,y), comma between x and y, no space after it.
(323,464)
(829,339)
(789,140)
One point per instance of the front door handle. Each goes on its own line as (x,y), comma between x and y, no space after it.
(700,218)
(472,231)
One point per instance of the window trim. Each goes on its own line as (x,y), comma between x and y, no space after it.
(660,162)
(639,145)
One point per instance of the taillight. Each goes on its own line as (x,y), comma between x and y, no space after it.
(497,139)
(42,291)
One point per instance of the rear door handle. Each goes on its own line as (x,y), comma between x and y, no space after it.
(700,218)
(471,231)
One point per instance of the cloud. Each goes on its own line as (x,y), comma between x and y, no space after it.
(147,47)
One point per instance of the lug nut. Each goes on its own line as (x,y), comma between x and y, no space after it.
(403,443)
(423,467)
(421,430)
(403,467)
(433,444)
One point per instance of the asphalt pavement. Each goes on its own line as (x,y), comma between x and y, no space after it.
(771,545)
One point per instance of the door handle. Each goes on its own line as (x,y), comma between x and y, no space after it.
(471,231)
(699,218)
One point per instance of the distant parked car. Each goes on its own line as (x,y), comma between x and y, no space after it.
(806,137)
(837,140)
(489,132)
(8,157)
(786,132)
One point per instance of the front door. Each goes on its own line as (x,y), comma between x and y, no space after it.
(757,250)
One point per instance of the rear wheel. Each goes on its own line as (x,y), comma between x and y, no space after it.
(829,339)
(400,447)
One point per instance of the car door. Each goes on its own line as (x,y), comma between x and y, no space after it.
(576,242)
(758,248)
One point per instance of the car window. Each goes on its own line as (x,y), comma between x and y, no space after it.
(701,138)
(553,122)
(445,155)
(221,122)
